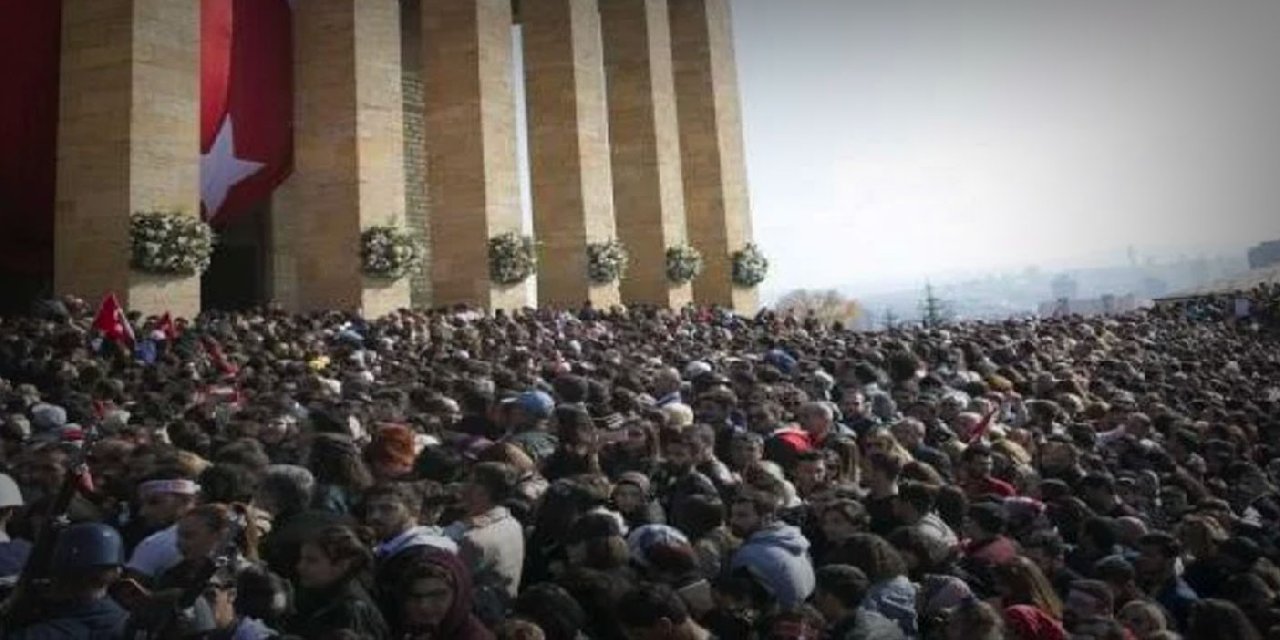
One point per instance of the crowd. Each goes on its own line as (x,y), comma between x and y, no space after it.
(638,474)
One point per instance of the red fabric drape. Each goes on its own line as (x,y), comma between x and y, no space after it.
(248,77)
(30,41)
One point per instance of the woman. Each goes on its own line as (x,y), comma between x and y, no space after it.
(436,601)
(341,475)
(1020,582)
(331,597)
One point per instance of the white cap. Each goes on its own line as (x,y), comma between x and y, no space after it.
(10,494)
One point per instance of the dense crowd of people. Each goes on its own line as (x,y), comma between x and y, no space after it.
(639,474)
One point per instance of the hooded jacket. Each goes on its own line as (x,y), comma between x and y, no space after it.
(459,622)
(894,599)
(778,556)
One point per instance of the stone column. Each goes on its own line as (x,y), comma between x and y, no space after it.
(715,175)
(644,136)
(348,153)
(471,146)
(568,147)
(128,140)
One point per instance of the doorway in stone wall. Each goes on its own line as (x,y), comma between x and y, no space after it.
(237,276)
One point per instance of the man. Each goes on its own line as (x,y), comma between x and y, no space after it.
(838,596)
(978,481)
(678,478)
(776,554)
(86,562)
(286,493)
(666,387)
(1099,492)
(490,539)
(914,507)
(528,414)
(1156,567)
(391,512)
(810,473)
(882,485)
(655,612)
(987,546)
(165,499)
(910,434)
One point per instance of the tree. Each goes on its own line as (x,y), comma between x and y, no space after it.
(934,311)
(826,306)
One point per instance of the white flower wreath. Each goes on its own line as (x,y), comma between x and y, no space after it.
(684,263)
(512,258)
(390,252)
(606,261)
(750,267)
(169,242)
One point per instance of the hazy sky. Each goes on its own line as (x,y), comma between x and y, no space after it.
(889,141)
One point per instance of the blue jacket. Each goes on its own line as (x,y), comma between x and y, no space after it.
(778,556)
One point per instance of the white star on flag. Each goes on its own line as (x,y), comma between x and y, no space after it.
(220,169)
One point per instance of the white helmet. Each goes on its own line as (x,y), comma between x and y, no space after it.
(10,495)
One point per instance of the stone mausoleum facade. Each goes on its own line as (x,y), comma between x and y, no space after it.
(405,112)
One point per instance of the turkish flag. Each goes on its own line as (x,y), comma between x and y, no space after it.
(246,104)
(112,322)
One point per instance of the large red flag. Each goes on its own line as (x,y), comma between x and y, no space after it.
(112,322)
(246,104)
(30,40)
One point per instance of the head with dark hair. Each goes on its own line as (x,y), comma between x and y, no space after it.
(226,482)
(490,484)
(986,520)
(652,611)
(391,508)
(840,589)
(843,518)
(555,611)
(263,595)
(332,555)
(285,490)
(873,554)
(335,460)
(698,515)
(1216,618)
(1087,600)
(751,510)
(1157,555)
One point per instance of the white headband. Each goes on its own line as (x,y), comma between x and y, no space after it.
(178,486)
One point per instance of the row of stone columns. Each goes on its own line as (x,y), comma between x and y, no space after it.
(633,124)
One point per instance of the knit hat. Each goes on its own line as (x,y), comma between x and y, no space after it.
(644,538)
(392,444)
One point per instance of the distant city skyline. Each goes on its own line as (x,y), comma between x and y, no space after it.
(893,142)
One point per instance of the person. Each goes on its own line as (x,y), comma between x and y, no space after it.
(890,593)
(838,595)
(914,508)
(775,553)
(433,596)
(13,551)
(987,546)
(679,478)
(975,620)
(490,539)
(529,413)
(1156,567)
(164,502)
(654,612)
(1047,549)
(882,490)
(331,597)
(1087,603)
(977,465)
(1213,618)
(1143,618)
(86,561)
(286,493)
(390,511)
(340,473)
